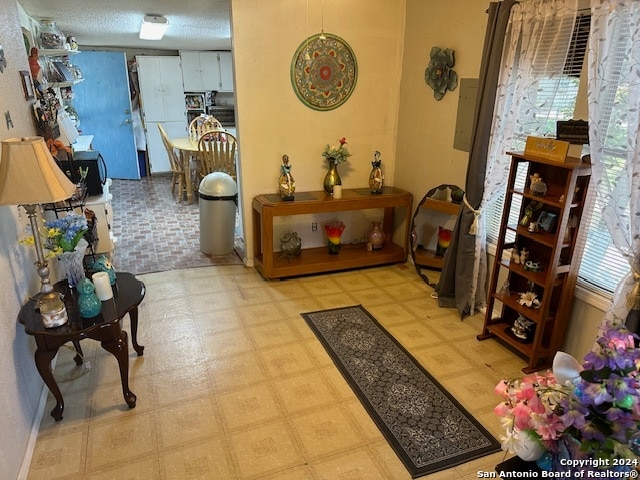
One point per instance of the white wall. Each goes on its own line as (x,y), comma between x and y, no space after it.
(21,384)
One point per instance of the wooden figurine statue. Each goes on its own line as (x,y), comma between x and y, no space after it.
(375,177)
(286,184)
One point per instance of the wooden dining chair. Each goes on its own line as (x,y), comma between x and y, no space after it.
(201,124)
(218,149)
(178,176)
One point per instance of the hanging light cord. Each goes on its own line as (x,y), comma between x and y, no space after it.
(322,37)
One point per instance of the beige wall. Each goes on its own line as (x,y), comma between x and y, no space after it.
(425,154)
(21,384)
(391,110)
(271,119)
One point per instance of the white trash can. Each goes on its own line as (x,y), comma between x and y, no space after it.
(218,194)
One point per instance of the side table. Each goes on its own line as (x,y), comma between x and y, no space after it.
(128,293)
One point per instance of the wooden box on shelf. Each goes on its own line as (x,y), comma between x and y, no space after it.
(548,267)
(317,260)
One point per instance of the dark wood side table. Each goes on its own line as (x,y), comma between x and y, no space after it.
(106,328)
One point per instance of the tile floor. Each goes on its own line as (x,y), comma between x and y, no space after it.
(234,385)
(155,232)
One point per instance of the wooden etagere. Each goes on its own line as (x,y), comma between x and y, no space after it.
(556,253)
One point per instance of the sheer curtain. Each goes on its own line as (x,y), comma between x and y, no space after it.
(537,42)
(614,121)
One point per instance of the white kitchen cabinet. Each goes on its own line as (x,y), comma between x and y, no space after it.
(162,96)
(226,71)
(161,89)
(207,70)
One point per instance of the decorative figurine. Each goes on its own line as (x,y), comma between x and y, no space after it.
(529,211)
(538,187)
(515,255)
(286,184)
(102,264)
(529,299)
(290,245)
(89,305)
(523,329)
(524,255)
(376,177)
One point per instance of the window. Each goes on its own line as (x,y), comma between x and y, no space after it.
(554,99)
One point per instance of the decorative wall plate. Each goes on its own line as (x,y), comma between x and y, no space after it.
(324,72)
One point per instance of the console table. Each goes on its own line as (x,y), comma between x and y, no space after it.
(106,328)
(318,260)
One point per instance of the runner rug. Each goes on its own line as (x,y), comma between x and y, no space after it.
(428,429)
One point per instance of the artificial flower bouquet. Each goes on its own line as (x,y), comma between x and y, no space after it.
(337,153)
(60,235)
(578,417)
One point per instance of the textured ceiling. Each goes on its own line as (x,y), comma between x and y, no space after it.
(193,24)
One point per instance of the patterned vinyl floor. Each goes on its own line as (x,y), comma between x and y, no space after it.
(155,233)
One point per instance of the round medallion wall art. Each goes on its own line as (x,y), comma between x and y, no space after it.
(324,71)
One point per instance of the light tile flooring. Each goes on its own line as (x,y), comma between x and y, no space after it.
(234,385)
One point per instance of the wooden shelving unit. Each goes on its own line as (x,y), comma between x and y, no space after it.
(424,257)
(318,260)
(558,252)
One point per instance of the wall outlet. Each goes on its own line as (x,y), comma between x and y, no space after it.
(314,226)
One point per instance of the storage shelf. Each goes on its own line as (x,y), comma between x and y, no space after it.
(560,259)
(427,258)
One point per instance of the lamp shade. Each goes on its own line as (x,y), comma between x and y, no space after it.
(29,175)
(153,27)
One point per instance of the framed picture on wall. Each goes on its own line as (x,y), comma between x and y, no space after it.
(27,85)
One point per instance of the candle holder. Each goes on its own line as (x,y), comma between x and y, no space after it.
(334,233)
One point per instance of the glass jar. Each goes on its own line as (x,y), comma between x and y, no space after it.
(52,310)
(50,37)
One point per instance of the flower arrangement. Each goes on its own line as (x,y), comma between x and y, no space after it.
(589,411)
(337,153)
(529,411)
(603,412)
(60,235)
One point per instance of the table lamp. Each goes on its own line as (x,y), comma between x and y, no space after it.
(29,176)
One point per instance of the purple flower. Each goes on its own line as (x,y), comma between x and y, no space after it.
(596,393)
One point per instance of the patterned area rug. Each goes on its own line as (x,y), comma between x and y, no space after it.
(428,429)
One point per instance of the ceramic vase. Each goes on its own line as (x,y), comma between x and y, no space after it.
(527,448)
(376,236)
(72,263)
(331,178)
(89,305)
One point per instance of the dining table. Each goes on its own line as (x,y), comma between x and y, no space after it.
(187,148)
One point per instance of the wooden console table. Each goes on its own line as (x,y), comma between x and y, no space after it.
(318,260)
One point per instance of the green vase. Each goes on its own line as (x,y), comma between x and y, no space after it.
(332,178)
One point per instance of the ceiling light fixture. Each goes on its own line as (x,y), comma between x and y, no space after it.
(153,27)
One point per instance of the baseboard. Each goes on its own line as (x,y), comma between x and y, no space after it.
(33,435)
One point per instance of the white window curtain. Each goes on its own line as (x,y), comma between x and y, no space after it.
(614,121)
(536,48)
